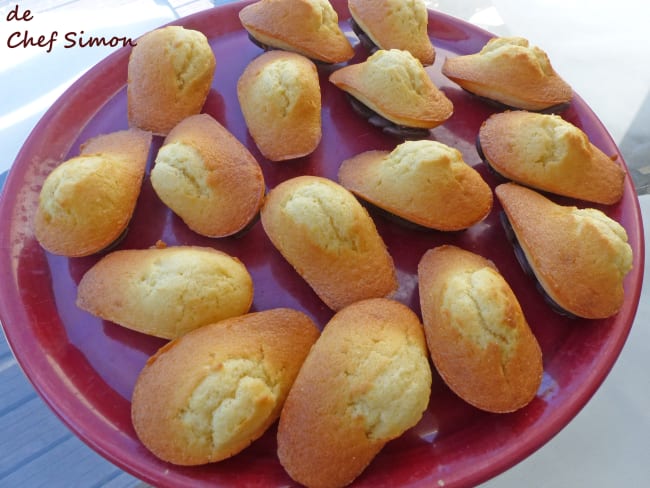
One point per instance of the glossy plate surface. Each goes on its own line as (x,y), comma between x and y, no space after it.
(85,368)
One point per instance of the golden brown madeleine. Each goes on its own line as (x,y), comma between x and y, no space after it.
(166,292)
(579,256)
(86,203)
(169,76)
(395,85)
(424,182)
(395,24)
(208,178)
(510,71)
(548,153)
(330,240)
(476,332)
(279,95)
(365,381)
(307,27)
(206,396)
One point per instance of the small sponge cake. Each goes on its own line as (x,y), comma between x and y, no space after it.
(510,71)
(169,76)
(365,381)
(208,178)
(307,27)
(166,292)
(206,396)
(546,152)
(424,182)
(580,256)
(395,85)
(477,334)
(87,202)
(279,95)
(328,237)
(395,24)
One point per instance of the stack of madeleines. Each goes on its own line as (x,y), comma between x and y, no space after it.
(227,373)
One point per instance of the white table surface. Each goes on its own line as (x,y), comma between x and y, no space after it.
(601,48)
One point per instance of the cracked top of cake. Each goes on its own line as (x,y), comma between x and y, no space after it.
(425,182)
(548,153)
(395,85)
(479,339)
(308,27)
(395,24)
(510,71)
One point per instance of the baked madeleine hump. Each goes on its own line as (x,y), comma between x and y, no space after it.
(330,240)
(395,85)
(395,24)
(370,374)
(170,73)
(208,178)
(86,203)
(166,292)
(308,27)
(548,153)
(424,182)
(580,256)
(478,337)
(280,98)
(510,71)
(208,395)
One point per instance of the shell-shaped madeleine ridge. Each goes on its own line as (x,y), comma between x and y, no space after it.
(395,24)
(308,27)
(86,203)
(166,292)
(512,72)
(280,98)
(208,178)
(477,334)
(425,182)
(548,153)
(330,240)
(170,72)
(579,256)
(394,84)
